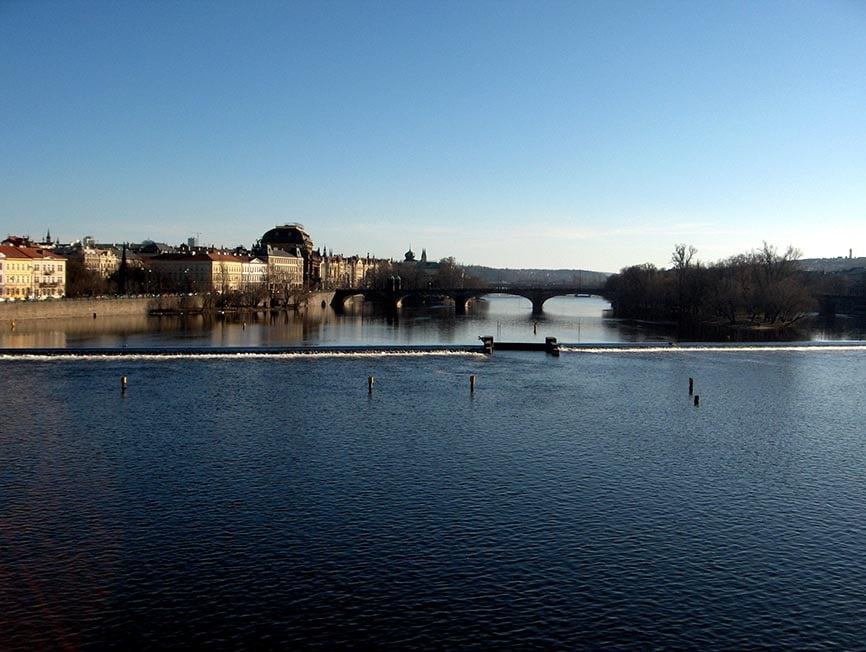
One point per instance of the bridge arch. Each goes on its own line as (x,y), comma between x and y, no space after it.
(536,296)
(338,302)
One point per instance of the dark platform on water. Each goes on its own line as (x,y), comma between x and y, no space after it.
(520,346)
(549,346)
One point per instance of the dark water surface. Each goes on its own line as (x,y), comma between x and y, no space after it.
(572,502)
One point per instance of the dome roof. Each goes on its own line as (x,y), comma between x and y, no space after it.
(288,234)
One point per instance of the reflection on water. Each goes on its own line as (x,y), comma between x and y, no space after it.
(574,320)
(59,333)
(570,319)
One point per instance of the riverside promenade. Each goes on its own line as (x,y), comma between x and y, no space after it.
(21,311)
(94,308)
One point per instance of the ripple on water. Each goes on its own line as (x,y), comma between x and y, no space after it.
(578,502)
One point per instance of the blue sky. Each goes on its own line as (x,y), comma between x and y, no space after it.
(589,135)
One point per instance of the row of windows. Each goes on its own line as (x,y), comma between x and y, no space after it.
(29,279)
(21,267)
(27,292)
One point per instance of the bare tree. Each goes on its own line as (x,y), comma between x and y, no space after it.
(688,292)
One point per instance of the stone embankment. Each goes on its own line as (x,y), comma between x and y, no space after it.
(118,307)
(80,308)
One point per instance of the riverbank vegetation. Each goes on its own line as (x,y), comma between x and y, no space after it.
(762,288)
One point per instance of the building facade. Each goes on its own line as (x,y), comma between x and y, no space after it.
(103,261)
(33,273)
(198,272)
(285,269)
(293,237)
(254,274)
(346,271)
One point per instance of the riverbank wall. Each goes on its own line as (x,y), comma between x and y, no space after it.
(83,308)
(123,307)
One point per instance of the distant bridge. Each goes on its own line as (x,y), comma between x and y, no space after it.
(461,296)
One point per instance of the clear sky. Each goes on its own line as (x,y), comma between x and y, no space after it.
(573,134)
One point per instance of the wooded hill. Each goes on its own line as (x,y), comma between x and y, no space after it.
(571,278)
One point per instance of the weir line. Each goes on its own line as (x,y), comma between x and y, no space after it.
(234,353)
(251,353)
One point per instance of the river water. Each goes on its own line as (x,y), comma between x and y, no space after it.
(507,318)
(580,501)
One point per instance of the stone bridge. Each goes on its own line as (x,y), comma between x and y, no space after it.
(393,299)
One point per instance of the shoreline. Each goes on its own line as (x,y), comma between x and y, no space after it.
(92,308)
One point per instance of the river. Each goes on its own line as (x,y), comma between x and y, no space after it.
(571,319)
(581,501)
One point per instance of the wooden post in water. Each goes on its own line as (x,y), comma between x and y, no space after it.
(697,401)
(472,384)
(370,380)
(691,386)
(123,384)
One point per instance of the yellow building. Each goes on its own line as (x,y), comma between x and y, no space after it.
(33,273)
(19,272)
(198,272)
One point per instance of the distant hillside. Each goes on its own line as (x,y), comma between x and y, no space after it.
(538,277)
(831,265)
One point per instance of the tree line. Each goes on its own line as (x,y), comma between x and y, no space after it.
(762,287)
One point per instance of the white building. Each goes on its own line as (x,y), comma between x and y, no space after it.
(255,271)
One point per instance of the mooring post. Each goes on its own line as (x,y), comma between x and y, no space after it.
(697,401)
(691,386)
(370,384)
(123,384)
(472,384)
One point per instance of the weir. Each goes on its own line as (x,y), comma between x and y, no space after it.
(550,346)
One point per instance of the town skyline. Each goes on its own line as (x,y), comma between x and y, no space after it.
(590,135)
(194,242)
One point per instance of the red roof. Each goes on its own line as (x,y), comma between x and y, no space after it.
(29,252)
